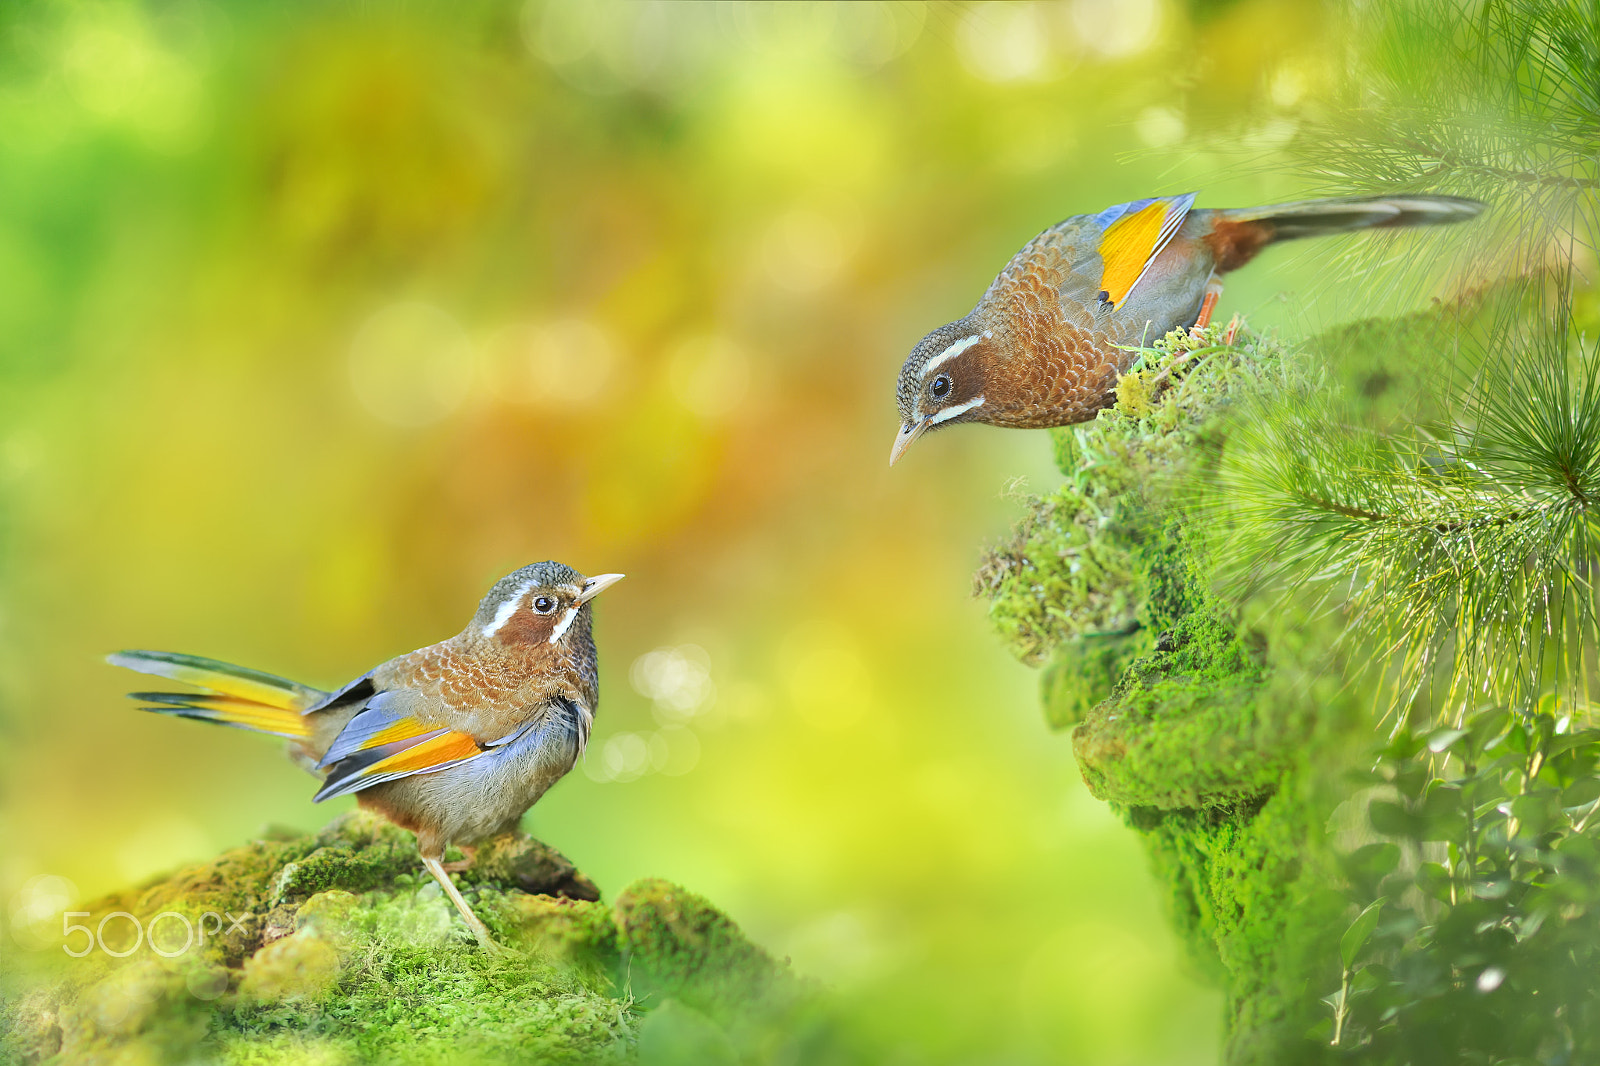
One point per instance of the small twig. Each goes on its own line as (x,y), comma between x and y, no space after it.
(1341,1010)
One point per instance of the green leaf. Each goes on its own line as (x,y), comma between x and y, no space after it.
(1488,725)
(1368,980)
(1391,819)
(1355,937)
(1537,811)
(1581,792)
(1567,741)
(1373,862)
(1434,880)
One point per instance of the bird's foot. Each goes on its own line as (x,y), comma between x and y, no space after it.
(1232,331)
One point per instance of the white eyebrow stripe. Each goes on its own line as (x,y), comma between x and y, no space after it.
(950,353)
(564,624)
(951,412)
(507,609)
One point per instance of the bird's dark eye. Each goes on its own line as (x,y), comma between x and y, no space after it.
(940,387)
(544,605)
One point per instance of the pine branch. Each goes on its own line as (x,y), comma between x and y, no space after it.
(1457,526)
(1461,554)
(1453,161)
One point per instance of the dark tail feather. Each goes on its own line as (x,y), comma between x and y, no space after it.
(1238,234)
(1310,218)
(225,678)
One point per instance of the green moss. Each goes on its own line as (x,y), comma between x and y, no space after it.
(1073,568)
(573,930)
(1198,728)
(1061,575)
(675,944)
(530,865)
(1256,898)
(1085,671)
(345,950)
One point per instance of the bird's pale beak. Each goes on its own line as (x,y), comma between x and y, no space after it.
(903,439)
(598,584)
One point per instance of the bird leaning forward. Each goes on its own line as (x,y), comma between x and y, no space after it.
(454,741)
(1048,339)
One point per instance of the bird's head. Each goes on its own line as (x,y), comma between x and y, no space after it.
(543,604)
(942,382)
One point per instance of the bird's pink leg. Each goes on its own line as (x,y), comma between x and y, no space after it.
(1213,293)
(479,930)
(1232,331)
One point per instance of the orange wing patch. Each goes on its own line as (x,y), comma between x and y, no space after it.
(429,755)
(1128,244)
(404,729)
(414,753)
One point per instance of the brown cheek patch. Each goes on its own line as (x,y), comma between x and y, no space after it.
(526,627)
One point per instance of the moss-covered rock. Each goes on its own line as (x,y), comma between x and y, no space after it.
(339,947)
(1202,730)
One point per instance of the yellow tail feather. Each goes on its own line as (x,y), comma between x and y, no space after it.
(236,696)
(220,677)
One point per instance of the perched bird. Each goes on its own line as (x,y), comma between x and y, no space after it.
(453,741)
(1047,341)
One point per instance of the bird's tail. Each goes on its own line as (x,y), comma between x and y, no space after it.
(1238,234)
(234,695)
(1312,218)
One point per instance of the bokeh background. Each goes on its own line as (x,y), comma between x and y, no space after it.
(315,319)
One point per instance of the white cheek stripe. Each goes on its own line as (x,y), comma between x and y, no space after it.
(507,609)
(951,412)
(561,627)
(950,353)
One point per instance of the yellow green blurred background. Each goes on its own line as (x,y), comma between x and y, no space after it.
(315,319)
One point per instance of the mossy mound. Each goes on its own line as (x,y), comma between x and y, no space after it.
(1072,570)
(338,947)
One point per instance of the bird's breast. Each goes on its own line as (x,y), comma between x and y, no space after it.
(1057,355)
(485,695)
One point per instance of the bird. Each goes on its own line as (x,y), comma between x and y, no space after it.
(1049,338)
(453,741)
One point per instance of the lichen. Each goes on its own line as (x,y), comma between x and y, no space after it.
(341,948)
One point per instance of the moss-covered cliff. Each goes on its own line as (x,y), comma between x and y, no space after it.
(1194,724)
(338,947)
